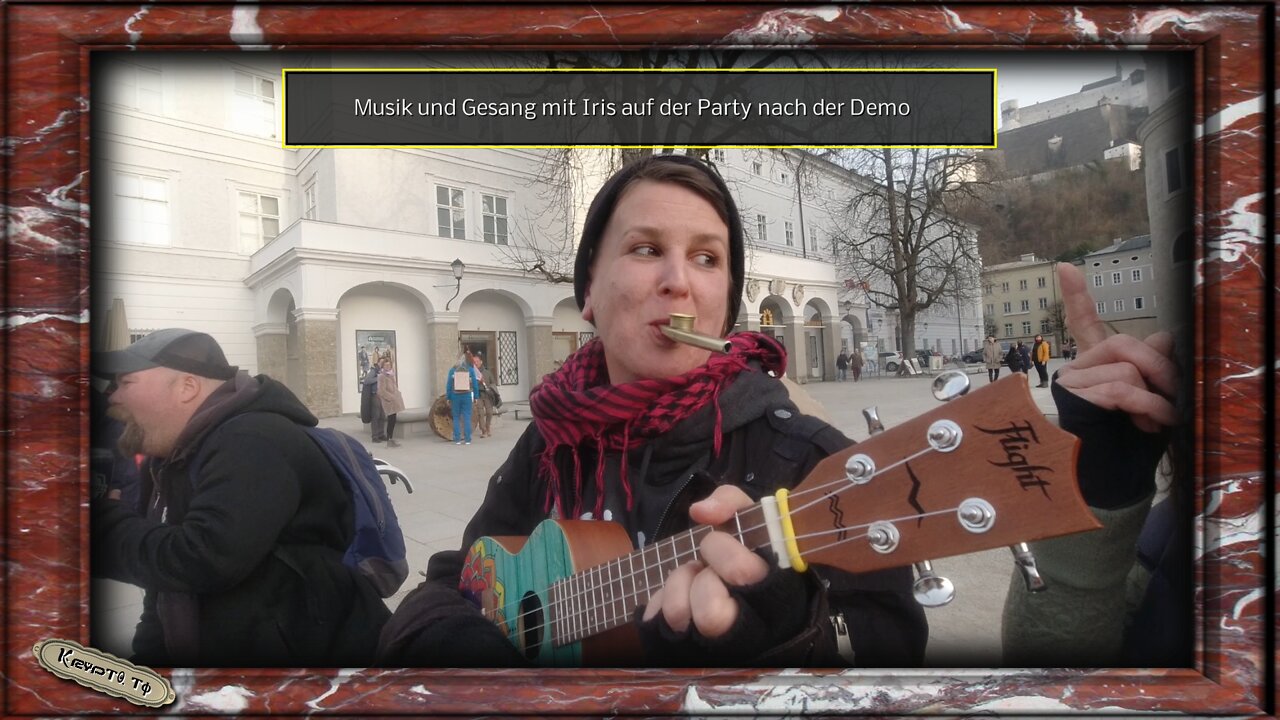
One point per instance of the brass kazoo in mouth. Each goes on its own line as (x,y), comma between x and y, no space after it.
(681,330)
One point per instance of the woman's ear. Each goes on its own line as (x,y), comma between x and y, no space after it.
(588,313)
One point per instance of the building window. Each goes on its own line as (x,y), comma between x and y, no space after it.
(1116,278)
(141,209)
(789,230)
(1026,327)
(762,228)
(1026,305)
(1175,169)
(450,213)
(508,358)
(991,309)
(1004,287)
(1008,329)
(1136,275)
(1008,308)
(255,105)
(1044,327)
(309,202)
(1137,303)
(137,88)
(1040,282)
(1120,305)
(493,212)
(755,167)
(1022,284)
(1102,307)
(259,220)
(1097,281)
(813,239)
(783,178)
(717,156)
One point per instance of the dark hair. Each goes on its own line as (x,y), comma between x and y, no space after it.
(685,171)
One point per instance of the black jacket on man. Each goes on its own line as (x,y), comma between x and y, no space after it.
(242,560)
(767,443)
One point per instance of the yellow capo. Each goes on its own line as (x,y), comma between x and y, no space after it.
(789,532)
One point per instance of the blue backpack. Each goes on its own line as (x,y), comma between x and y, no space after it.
(377,548)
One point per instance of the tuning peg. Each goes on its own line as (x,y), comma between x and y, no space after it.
(874,425)
(1026,564)
(930,588)
(950,385)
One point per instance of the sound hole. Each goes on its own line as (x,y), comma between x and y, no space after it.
(531,625)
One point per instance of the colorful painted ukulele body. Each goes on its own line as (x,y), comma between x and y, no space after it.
(982,471)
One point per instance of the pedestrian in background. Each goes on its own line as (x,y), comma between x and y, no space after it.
(391,399)
(855,364)
(460,386)
(1040,356)
(484,400)
(371,407)
(991,356)
(842,365)
(1014,358)
(1025,353)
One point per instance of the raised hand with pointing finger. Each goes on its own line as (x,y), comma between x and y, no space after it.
(1113,371)
(1118,396)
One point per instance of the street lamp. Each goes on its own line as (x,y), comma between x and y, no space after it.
(459,268)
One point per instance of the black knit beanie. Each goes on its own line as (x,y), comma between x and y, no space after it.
(602,208)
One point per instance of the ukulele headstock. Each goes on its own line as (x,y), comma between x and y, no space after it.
(984,470)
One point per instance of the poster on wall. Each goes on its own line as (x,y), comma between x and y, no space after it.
(372,346)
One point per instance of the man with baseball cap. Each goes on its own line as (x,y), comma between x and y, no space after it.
(245,522)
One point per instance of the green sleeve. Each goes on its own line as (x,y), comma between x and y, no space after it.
(1079,620)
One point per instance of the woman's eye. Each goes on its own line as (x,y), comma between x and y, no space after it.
(705,260)
(645,250)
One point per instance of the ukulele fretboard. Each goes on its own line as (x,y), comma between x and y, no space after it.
(606,596)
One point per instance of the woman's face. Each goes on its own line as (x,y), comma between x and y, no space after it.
(664,250)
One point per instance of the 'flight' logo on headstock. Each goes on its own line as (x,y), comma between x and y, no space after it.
(1016,439)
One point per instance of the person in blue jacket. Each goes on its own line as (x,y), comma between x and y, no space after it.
(462,386)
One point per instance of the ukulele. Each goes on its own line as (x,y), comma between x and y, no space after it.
(984,470)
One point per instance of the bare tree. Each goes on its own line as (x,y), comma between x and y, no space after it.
(1058,323)
(899,233)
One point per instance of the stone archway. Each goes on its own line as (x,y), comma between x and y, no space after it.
(568,331)
(380,319)
(495,325)
(279,354)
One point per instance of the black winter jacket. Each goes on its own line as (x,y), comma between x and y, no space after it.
(242,561)
(767,444)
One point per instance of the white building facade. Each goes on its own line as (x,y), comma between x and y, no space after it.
(300,261)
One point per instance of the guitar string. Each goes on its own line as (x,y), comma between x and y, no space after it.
(594,623)
(575,596)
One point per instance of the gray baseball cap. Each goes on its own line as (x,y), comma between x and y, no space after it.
(175,348)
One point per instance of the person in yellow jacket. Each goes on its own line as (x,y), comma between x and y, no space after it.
(1040,356)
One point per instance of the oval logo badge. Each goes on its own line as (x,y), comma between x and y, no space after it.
(104,672)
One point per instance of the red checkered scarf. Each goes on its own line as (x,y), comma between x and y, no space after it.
(577,405)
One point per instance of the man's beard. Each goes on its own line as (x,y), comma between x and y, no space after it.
(131,436)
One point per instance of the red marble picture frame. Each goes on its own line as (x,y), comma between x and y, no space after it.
(46,332)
